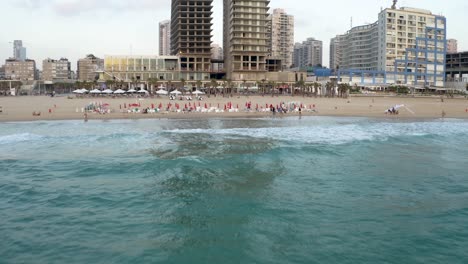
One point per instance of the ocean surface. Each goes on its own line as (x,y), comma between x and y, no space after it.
(285,190)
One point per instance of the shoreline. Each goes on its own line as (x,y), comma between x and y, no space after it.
(20,109)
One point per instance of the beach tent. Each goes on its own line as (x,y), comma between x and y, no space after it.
(95,91)
(108,91)
(176,92)
(162,92)
(119,91)
(198,92)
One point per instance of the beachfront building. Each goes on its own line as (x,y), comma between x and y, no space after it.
(165,38)
(336,52)
(452,46)
(405,46)
(191,22)
(88,67)
(134,68)
(245,39)
(19,52)
(281,39)
(56,70)
(20,70)
(217,57)
(2,72)
(308,53)
(457,66)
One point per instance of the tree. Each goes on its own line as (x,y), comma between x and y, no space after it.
(214,85)
(182,82)
(301,85)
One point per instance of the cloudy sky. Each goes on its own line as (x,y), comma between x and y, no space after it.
(74,28)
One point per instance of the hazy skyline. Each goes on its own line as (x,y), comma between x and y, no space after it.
(74,28)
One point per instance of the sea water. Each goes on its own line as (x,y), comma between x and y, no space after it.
(283,190)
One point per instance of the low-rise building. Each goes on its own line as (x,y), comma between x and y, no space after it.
(55,70)
(88,68)
(452,46)
(20,70)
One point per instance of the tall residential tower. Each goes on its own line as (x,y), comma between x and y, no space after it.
(282,37)
(191,22)
(165,38)
(245,38)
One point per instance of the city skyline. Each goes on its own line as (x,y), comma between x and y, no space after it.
(76,28)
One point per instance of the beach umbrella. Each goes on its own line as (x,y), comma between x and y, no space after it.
(84,90)
(108,91)
(79,91)
(176,92)
(162,92)
(132,91)
(143,91)
(119,91)
(197,92)
(95,91)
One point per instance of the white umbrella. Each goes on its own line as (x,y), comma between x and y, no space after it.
(176,92)
(163,92)
(108,91)
(95,91)
(79,91)
(84,90)
(119,91)
(132,91)
(198,92)
(143,91)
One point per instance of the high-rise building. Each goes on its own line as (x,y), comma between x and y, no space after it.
(452,46)
(407,45)
(216,52)
(87,67)
(20,70)
(245,39)
(308,53)
(2,72)
(165,38)
(53,70)
(191,23)
(336,52)
(19,52)
(282,37)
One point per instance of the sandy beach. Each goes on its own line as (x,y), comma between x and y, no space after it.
(64,108)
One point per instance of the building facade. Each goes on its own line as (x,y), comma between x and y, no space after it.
(452,46)
(405,45)
(142,68)
(245,39)
(282,37)
(56,70)
(457,66)
(308,53)
(20,70)
(165,38)
(2,72)
(87,68)
(19,52)
(191,32)
(336,52)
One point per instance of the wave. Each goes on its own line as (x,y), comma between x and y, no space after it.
(20,137)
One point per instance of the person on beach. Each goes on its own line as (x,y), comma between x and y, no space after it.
(85,117)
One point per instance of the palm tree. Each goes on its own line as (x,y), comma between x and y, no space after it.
(301,85)
(198,84)
(214,85)
(182,82)
(316,87)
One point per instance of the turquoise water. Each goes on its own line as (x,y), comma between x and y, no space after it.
(310,190)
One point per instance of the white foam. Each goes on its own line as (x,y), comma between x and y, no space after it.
(16,138)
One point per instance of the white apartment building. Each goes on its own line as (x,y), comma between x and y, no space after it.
(336,52)
(54,70)
(405,45)
(165,38)
(245,39)
(282,37)
(308,53)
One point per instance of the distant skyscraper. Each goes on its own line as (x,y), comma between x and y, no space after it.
(452,46)
(336,53)
(245,39)
(282,37)
(308,53)
(191,24)
(19,52)
(165,38)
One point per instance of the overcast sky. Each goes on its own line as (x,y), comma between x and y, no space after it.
(74,28)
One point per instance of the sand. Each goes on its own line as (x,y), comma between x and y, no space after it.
(63,108)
